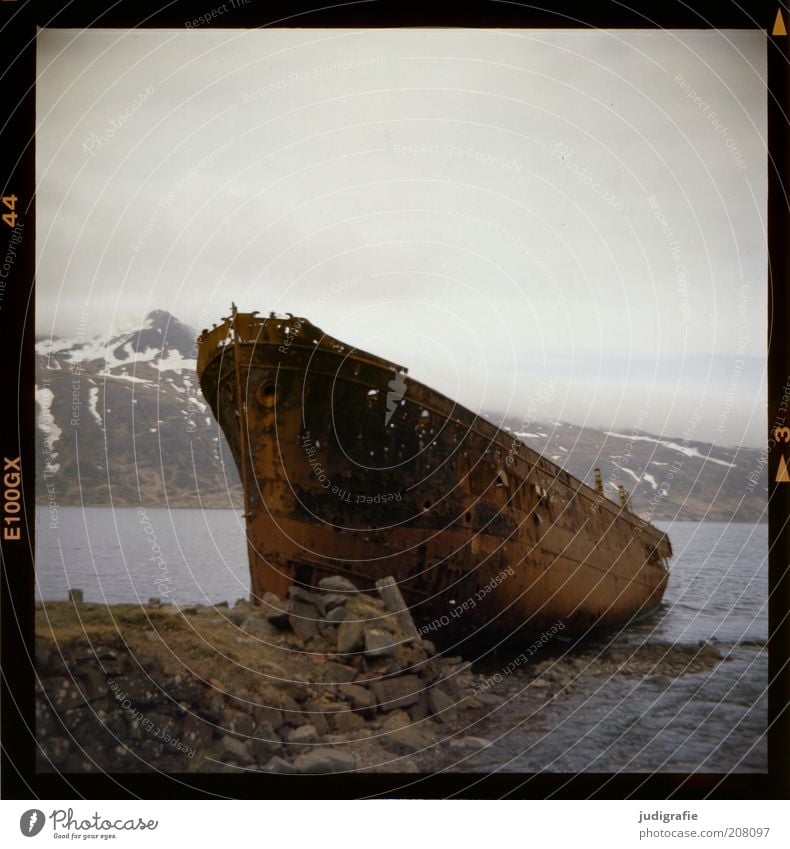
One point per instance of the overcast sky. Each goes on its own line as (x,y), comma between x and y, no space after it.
(561,224)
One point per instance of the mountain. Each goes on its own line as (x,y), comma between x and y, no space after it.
(122,422)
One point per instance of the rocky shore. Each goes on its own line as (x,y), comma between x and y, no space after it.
(321,682)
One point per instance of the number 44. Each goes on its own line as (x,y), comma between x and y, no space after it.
(10,217)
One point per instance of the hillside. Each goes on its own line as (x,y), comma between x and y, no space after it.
(122,421)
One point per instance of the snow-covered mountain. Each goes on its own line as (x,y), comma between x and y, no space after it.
(122,421)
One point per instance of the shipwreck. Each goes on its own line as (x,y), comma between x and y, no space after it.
(351,468)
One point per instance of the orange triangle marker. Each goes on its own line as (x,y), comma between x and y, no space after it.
(782,475)
(779,24)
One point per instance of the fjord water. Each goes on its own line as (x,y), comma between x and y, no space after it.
(712,722)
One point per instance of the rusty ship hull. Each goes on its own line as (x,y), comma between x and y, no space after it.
(350,467)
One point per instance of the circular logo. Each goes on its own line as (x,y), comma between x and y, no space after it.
(31,822)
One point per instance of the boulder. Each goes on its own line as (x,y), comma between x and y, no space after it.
(257,627)
(304,620)
(337,584)
(350,636)
(397,692)
(196,732)
(379,643)
(337,673)
(233,749)
(299,594)
(302,735)
(267,714)
(237,722)
(279,766)
(360,698)
(321,761)
(441,705)
(469,743)
(407,741)
(63,693)
(346,722)
(264,743)
(333,600)
(336,615)
(276,611)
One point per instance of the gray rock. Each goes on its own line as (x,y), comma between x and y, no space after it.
(361,698)
(338,584)
(140,689)
(94,685)
(211,705)
(299,594)
(266,713)
(186,689)
(379,643)
(304,620)
(196,732)
(316,716)
(233,749)
(396,720)
(397,692)
(257,627)
(337,673)
(63,693)
(303,735)
(279,766)
(407,741)
(336,615)
(346,722)
(332,600)
(236,722)
(350,636)
(276,611)
(265,743)
(469,743)
(441,705)
(322,761)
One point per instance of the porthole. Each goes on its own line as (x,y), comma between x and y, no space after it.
(267,395)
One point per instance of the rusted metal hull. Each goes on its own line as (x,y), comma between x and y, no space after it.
(352,468)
